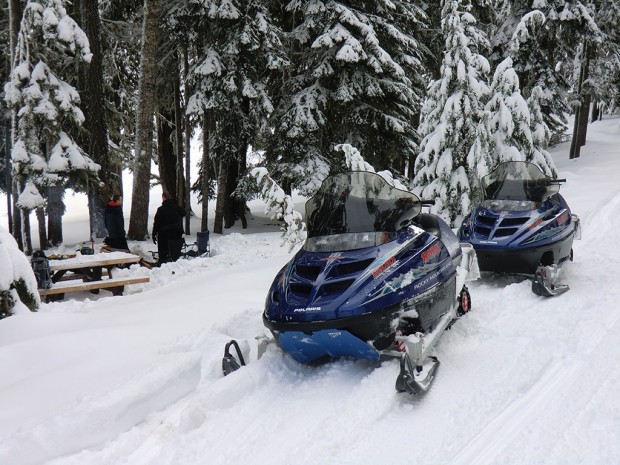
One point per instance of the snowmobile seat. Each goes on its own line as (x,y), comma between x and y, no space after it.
(429,223)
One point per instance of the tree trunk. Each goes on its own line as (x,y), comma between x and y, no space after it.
(222,180)
(178,139)
(8,179)
(144,123)
(230,203)
(26,232)
(17,217)
(55,210)
(96,209)
(584,114)
(15,14)
(165,152)
(575,146)
(95,123)
(42,228)
(595,111)
(188,140)
(206,174)
(15,17)
(586,98)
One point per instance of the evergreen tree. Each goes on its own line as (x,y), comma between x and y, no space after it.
(604,80)
(540,134)
(444,170)
(354,78)
(45,106)
(543,37)
(509,123)
(239,47)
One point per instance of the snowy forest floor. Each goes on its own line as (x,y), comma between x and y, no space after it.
(137,380)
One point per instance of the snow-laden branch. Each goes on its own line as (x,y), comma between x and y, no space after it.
(355,162)
(280,206)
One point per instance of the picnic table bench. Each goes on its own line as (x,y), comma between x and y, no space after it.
(90,273)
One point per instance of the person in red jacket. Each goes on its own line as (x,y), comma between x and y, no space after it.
(115,224)
(167,226)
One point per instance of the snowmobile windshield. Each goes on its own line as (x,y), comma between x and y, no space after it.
(517,186)
(356,210)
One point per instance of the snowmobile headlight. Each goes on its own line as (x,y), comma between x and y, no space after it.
(348,241)
(510,205)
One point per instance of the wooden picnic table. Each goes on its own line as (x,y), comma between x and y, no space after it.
(90,273)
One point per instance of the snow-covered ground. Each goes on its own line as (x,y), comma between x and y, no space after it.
(137,380)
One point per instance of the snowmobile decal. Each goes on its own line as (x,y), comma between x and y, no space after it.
(384,267)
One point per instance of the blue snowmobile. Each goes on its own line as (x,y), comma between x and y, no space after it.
(376,278)
(523,226)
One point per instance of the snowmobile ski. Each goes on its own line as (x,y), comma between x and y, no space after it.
(416,379)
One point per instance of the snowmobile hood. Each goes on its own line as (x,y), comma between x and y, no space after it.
(324,286)
(489,228)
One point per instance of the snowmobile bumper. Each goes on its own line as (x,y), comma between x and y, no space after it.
(324,344)
(523,260)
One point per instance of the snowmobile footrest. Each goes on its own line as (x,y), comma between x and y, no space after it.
(416,380)
(229,362)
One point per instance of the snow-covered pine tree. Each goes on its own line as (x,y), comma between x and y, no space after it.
(355,78)
(444,171)
(509,119)
(540,134)
(604,79)
(239,48)
(45,106)
(543,36)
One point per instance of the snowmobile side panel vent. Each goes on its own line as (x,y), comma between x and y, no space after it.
(502,232)
(485,220)
(482,231)
(308,271)
(337,286)
(301,289)
(508,222)
(353,267)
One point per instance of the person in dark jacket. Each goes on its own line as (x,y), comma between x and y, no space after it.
(167,226)
(115,224)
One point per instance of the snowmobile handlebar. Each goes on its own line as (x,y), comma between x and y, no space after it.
(427,202)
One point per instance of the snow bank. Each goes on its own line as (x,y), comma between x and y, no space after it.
(96,419)
(15,267)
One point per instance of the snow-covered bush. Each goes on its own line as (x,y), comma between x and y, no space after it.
(18,285)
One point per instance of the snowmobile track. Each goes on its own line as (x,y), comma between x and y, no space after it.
(549,391)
